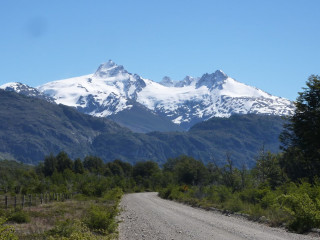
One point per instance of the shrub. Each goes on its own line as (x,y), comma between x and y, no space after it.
(6,232)
(71,230)
(173,193)
(234,204)
(255,212)
(223,193)
(253,195)
(101,219)
(63,229)
(165,192)
(113,194)
(19,216)
(305,213)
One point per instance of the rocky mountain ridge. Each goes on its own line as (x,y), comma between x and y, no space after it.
(112,89)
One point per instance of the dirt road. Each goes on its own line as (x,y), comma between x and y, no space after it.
(146,216)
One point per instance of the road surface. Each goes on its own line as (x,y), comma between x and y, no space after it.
(146,216)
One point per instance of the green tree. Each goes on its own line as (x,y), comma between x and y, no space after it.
(267,170)
(187,170)
(93,164)
(78,166)
(302,135)
(50,165)
(63,162)
(126,167)
(145,173)
(115,168)
(145,169)
(231,176)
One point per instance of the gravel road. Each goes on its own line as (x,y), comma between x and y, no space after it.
(146,216)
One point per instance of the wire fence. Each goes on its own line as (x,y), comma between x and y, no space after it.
(21,201)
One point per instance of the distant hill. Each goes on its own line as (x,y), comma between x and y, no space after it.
(241,136)
(32,128)
(140,119)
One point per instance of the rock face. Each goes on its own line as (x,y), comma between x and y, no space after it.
(112,89)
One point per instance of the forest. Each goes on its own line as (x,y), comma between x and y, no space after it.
(280,190)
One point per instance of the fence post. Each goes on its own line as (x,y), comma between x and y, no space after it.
(30,200)
(15,202)
(6,201)
(41,198)
(23,199)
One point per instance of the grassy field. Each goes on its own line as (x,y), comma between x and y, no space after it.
(78,218)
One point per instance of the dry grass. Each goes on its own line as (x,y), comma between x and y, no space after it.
(44,217)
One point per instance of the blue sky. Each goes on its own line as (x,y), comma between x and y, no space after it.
(273,45)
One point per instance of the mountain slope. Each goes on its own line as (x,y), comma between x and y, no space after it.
(112,89)
(31,128)
(140,119)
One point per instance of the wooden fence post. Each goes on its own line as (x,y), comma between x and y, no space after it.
(6,201)
(23,199)
(30,200)
(15,202)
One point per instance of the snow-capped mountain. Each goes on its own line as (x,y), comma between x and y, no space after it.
(112,89)
(26,90)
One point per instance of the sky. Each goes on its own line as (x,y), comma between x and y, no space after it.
(273,45)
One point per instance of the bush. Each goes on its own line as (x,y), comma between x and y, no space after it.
(6,232)
(19,216)
(165,192)
(253,195)
(114,194)
(234,204)
(255,212)
(101,219)
(63,229)
(305,213)
(68,230)
(223,193)
(172,193)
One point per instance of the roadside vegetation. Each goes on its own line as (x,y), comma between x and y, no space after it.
(280,190)
(89,211)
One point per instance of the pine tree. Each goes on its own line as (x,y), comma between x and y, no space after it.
(301,138)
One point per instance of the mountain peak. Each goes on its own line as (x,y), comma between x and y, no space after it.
(167,81)
(110,64)
(109,69)
(187,81)
(213,79)
(26,90)
(220,74)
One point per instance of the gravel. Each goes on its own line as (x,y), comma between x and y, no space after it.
(146,216)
